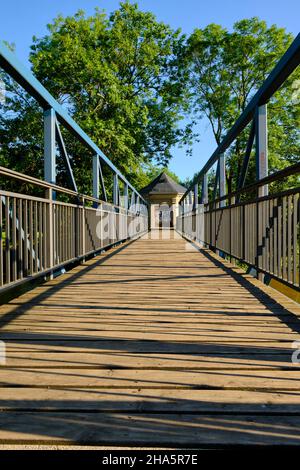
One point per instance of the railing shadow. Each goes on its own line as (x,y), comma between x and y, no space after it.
(15,313)
(286,316)
(156,408)
(102,421)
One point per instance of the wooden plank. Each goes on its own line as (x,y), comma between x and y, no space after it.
(156,344)
(143,326)
(186,430)
(166,322)
(32,342)
(72,359)
(197,401)
(114,378)
(48,333)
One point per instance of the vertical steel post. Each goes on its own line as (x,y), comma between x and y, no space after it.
(50,175)
(126,196)
(83,227)
(49,146)
(204,195)
(50,231)
(261,170)
(222,178)
(115,190)
(222,189)
(190,200)
(195,197)
(261,147)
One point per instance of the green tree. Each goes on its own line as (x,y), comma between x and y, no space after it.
(227,68)
(153,171)
(122,78)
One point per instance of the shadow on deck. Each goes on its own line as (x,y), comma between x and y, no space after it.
(153,344)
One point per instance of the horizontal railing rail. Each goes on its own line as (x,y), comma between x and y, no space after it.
(263,233)
(280,175)
(41,234)
(256,224)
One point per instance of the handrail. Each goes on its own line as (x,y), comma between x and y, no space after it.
(288,171)
(261,230)
(54,187)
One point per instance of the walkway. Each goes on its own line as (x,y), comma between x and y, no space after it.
(152,344)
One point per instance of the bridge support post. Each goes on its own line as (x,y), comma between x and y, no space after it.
(195,197)
(51,230)
(261,147)
(115,190)
(204,200)
(83,228)
(126,196)
(222,188)
(126,201)
(222,178)
(49,146)
(261,172)
(190,200)
(204,196)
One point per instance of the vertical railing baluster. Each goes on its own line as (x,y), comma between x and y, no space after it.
(31,267)
(14,239)
(51,234)
(7,238)
(21,236)
(25,213)
(289,236)
(279,238)
(83,228)
(294,238)
(284,232)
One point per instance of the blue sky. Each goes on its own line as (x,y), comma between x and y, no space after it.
(20,20)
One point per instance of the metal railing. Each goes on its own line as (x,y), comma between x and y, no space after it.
(258,229)
(262,232)
(42,234)
(44,226)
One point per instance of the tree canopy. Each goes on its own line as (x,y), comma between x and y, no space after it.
(120,76)
(137,87)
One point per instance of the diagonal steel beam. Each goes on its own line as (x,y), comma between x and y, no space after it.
(64,153)
(246,159)
(216,181)
(102,181)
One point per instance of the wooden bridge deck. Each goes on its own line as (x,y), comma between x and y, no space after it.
(151,344)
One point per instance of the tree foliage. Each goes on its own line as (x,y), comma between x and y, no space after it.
(226,69)
(120,76)
(129,81)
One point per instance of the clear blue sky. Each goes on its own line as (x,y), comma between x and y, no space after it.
(20,20)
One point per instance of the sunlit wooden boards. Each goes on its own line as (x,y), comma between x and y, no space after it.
(154,343)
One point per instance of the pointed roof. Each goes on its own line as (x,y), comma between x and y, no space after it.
(163,184)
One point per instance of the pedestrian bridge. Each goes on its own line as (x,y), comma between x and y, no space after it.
(116,334)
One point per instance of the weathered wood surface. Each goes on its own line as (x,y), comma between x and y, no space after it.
(154,343)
